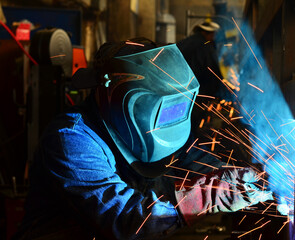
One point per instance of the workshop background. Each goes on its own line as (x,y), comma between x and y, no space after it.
(43,42)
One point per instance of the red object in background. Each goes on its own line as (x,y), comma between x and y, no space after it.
(79,59)
(23,32)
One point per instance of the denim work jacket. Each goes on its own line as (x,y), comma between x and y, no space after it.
(81,187)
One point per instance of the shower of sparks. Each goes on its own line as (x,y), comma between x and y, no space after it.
(246,42)
(143,223)
(255,87)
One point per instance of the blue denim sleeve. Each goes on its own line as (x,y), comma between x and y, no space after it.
(83,170)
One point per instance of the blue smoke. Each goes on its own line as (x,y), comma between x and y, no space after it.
(268,116)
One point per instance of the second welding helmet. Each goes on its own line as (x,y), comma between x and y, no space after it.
(146,99)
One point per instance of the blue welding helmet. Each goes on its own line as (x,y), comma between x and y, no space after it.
(146,102)
(145,96)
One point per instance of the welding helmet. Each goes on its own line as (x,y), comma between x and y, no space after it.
(146,100)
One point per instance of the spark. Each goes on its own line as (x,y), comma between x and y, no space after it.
(225,136)
(287,123)
(184,180)
(207,42)
(155,201)
(205,164)
(283,226)
(259,220)
(192,145)
(170,76)
(185,96)
(206,96)
(153,130)
(56,56)
(246,42)
(200,213)
(207,143)
(260,236)
(190,81)
(229,157)
(255,87)
(242,220)
(179,202)
(202,123)
(207,152)
(157,55)
(172,160)
(228,44)
(183,169)
(235,118)
(143,222)
(175,177)
(231,112)
(267,208)
(133,43)
(206,237)
(254,229)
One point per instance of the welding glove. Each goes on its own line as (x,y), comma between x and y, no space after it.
(226,190)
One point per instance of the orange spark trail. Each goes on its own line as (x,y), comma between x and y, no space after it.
(56,56)
(133,43)
(206,237)
(246,42)
(242,220)
(255,87)
(235,118)
(191,145)
(207,143)
(206,96)
(229,157)
(207,42)
(283,226)
(287,123)
(184,180)
(152,130)
(207,152)
(254,229)
(260,236)
(225,136)
(267,208)
(205,210)
(157,55)
(179,202)
(154,201)
(202,123)
(183,169)
(169,76)
(205,164)
(186,97)
(259,220)
(143,223)
(190,81)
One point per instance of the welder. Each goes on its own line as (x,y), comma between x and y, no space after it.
(120,165)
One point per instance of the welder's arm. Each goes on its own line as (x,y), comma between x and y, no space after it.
(220,191)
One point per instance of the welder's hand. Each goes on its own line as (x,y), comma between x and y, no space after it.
(220,191)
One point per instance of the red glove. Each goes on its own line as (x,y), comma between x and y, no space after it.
(226,190)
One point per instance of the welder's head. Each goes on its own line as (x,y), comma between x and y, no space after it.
(208,29)
(146,94)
